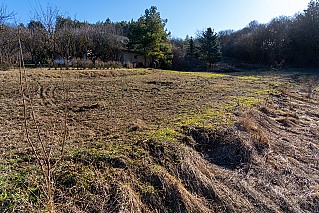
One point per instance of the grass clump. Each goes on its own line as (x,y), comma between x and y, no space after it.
(18,187)
(246,102)
(168,134)
(200,74)
(249,78)
(207,117)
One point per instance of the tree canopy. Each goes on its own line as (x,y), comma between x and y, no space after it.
(284,40)
(149,36)
(290,40)
(209,47)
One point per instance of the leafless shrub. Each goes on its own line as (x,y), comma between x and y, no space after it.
(113,65)
(129,65)
(42,149)
(88,64)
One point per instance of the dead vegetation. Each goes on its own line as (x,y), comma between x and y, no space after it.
(157,141)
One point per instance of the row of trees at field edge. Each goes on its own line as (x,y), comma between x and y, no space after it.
(290,41)
(284,40)
(198,53)
(51,36)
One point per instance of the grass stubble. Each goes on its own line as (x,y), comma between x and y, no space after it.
(150,140)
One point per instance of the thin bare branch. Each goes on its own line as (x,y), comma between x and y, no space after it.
(4,14)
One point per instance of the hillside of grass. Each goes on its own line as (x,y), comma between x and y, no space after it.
(161,141)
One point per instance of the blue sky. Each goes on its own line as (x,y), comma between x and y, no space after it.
(185,17)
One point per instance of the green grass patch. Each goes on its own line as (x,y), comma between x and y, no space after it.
(16,188)
(213,118)
(200,74)
(207,117)
(167,133)
(244,101)
(261,92)
(249,78)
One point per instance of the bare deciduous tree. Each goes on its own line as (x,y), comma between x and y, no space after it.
(4,14)
(47,17)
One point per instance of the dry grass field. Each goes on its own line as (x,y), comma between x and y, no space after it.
(161,141)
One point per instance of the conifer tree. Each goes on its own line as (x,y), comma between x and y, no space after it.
(148,36)
(209,48)
(191,54)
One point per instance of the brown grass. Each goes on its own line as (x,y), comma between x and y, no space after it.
(130,148)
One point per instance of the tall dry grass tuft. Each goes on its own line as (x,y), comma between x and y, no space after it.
(177,191)
(311,86)
(127,199)
(259,136)
(41,148)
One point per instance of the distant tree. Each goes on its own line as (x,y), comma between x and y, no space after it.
(8,45)
(209,47)
(107,40)
(275,40)
(48,17)
(149,36)
(179,52)
(191,49)
(35,41)
(293,40)
(64,34)
(306,34)
(192,54)
(256,43)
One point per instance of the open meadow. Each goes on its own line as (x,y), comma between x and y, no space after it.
(144,140)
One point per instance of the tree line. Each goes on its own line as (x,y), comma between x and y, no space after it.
(292,41)
(283,41)
(51,36)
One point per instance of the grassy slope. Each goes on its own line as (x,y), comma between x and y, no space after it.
(144,140)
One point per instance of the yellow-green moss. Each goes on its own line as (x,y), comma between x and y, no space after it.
(167,133)
(200,74)
(246,102)
(206,117)
(249,78)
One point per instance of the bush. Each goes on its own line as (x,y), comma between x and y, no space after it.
(129,65)
(4,66)
(99,64)
(88,64)
(113,65)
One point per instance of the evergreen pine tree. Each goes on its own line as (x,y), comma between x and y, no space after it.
(209,47)
(149,36)
(191,54)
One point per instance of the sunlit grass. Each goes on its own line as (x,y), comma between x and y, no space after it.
(213,118)
(208,118)
(261,91)
(200,74)
(249,78)
(246,102)
(167,133)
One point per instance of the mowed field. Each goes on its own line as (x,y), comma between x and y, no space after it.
(161,141)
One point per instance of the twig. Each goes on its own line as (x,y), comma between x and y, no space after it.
(43,154)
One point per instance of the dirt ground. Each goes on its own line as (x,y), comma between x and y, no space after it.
(150,140)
